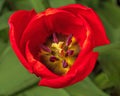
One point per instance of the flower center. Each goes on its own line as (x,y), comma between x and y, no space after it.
(59,53)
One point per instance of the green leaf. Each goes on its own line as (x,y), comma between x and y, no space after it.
(2,46)
(1,4)
(109,59)
(110,63)
(85,88)
(4,20)
(4,49)
(28,5)
(44,91)
(112,32)
(37,5)
(84,2)
(58,3)
(112,46)
(91,3)
(13,76)
(111,13)
(21,5)
(102,81)
(116,35)
(4,35)
(108,27)
(4,25)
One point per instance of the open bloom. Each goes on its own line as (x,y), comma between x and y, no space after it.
(57,44)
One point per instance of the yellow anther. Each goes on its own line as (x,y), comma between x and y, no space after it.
(58,46)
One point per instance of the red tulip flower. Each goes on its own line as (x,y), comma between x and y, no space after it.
(57,44)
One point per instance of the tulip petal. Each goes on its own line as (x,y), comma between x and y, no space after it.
(18,22)
(93,21)
(85,66)
(64,22)
(36,32)
(79,74)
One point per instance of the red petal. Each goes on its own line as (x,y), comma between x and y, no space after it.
(89,67)
(36,32)
(93,21)
(38,68)
(18,22)
(85,68)
(64,22)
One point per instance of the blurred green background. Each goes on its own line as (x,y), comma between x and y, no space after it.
(103,81)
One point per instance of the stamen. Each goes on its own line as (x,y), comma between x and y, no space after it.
(53,58)
(65,64)
(55,39)
(59,54)
(69,40)
(45,48)
(69,52)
